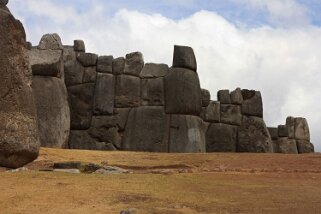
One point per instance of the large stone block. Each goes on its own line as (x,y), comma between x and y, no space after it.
(90,75)
(274,132)
(81,99)
(153,92)
(184,57)
(304,146)
(223,96)
(79,46)
(19,139)
(128,91)
(231,114)
(236,97)
(147,130)
(152,70)
(134,64)
(252,103)
(74,73)
(46,62)
(221,138)
(118,65)
(301,129)
(254,136)
(87,59)
(105,64)
(206,97)
(53,112)
(50,42)
(212,113)
(283,131)
(121,115)
(187,134)
(290,121)
(182,92)
(104,94)
(287,146)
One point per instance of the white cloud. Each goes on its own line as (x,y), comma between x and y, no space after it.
(283,63)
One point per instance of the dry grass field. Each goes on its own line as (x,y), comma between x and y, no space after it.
(166,183)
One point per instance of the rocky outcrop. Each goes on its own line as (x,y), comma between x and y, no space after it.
(19,138)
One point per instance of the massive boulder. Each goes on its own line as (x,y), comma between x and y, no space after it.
(221,138)
(19,139)
(304,146)
(134,64)
(252,103)
(184,57)
(53,112)
(301,129)
(287,146)
(104,94)
(50,42)
(224,96)
(128,91)
(105,64)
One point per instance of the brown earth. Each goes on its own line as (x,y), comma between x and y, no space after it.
(167,183)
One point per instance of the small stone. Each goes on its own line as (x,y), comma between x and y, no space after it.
(87,59)
(79,46)
(184,57)
(224,96)
(105,64)
(67,165)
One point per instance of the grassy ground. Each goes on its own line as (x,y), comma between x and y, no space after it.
(167,183)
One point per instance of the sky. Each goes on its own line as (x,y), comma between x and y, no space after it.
(273,46)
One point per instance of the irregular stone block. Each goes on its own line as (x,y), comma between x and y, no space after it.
(152,70)
(121,115)
(231,114)
(46,62)
(79,46)
(53,112)
(283,131)
(104,94)
(304,146)
(19,138)
(290,125)
(105,64)
(182,92)
(184,57)
(252,103)
(206,97)
(187,134)
(236,97)
(74,73)
(87,59)
(301,129)
(287,146)
(153,92)
(119,65)
(69,53)
(50,42)
(128,89)
(134,64)
(274,132)
(147,130)
(212,113)
(81,105)
(253,136)
(224,96)
(221,138)
(90,75)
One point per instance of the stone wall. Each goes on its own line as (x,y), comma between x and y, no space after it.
(86,101)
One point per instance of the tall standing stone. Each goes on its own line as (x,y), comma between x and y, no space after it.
(184,57)
(19,139)
(252,103)
(104,94)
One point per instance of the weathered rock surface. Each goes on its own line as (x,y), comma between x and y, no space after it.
(153,92)
(105,64)
(134,64)
(212,113)
(304,146)
(274,132)
(74,73)
(182,92)
(301,129)
(252,103)
(87,59)
(253,136)
(121,115)
(184,57)
(152,70)
(206,97)
(79,46)
(187,134)
(290,122)
(50,42)
(147,129)
(19,139)
(53,112)
(90,75)
(221,138)
(236,97)
(128,91)
(4,2)
(119,65)
(287,146)
(224,96)
(104,94)
(283,131)
(231,114)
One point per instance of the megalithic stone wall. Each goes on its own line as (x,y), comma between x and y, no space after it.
(124,104)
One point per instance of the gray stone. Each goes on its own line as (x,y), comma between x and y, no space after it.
(187,134)
(290,121)
(81,105)
(231,114)
(283,131)
(4,2)
(184,57)
(67,165)
(79,46)
(87,59)
(152,70)
(274,132)
(153,92)
(304,146)
(301,129)
(53,112)
(128,90)
(182,92)
(69,53)
(19,138)
(236,97)
(29,45)
(134,64)
(119,65)
(253,136)
(50,41)
(105,64)
(221,138)
(224,96)
(252,103)
(212,113)
(121,115)
(287,146)
(206,97)
(275,146)
(90,75)
(147,130)
(104,94)
(74,73)
(46,62)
